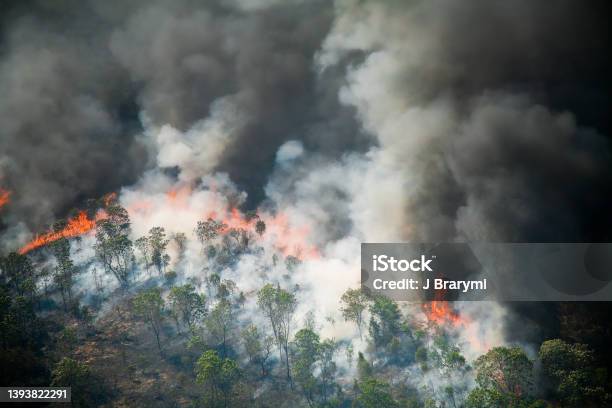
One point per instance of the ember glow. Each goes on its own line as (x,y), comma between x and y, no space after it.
(5,196)
(76,226)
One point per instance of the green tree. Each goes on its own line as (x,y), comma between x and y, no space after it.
(113,245)
(384,321)
(328,368)
(17,272)
(446,358)
(158,244)
(577,380)
(85,388)
(142,244)
(220,323)
(213,282)
(64,271)
(504,376)
(149,305)
(506,369)
(257,347)
(208,230)
(225,289)
(186,305)
(19,325)
(306,349)
(374,393)
(278,306)
(353,303)
(219,376)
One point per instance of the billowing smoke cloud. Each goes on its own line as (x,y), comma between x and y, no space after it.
(68,122)
(481,116)
(366,121)
(75,81)
(253,66)
(464,100)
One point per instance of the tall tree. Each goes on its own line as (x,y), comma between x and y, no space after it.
(507,369)
(577,380)
(328,368)
(186,305)
(64,271)
(384,320)
(257,347)
(219,376)
(220,323)
(143,247)
(278,306)
(306,348)
(17,272)
(208,230)
(504,376)
(374,393)
(113,245)
(158,244)
(353,303)
(149,305)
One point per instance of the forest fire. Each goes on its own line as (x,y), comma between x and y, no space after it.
(440,313)
(5,196)
(233,219)
(291,241)
(288,240)
(76,226)
(178,196)
(285,237)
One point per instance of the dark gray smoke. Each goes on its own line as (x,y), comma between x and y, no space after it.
(67,115)
(494,115)
(492,120)
(76,75)
(501,110)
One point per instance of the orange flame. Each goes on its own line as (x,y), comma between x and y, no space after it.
(440,313)
(178,196)
(5,196)
(234,220)
(76,226)
(289,240)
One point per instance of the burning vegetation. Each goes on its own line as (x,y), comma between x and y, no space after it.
(5,196)
(288,240)
(441,312)
(222,336)
(75,226)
